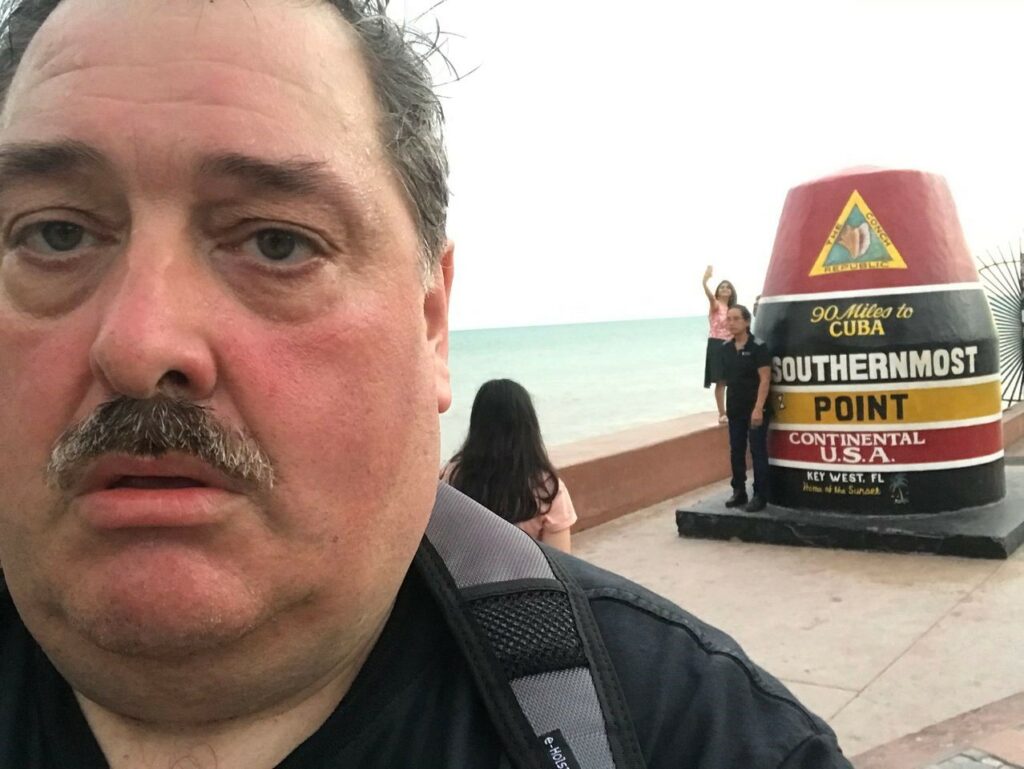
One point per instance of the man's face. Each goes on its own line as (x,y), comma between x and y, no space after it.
(207,212)
(735,322)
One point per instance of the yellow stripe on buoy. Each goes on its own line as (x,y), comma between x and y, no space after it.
(888,405)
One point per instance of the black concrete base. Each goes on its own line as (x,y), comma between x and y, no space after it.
(994,531)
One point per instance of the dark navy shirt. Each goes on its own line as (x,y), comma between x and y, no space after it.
(697,702)
(741,377)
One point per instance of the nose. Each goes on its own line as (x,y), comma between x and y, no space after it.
(152,336)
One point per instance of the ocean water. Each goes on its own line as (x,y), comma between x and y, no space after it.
(586,379)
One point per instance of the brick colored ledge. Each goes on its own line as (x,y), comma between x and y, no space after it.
(997,729)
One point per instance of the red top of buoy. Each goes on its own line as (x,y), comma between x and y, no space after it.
(866,228)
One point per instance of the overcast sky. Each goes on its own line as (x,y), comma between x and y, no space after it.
(603,153)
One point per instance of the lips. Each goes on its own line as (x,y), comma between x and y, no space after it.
(119,492)
(155,482)
(168,471)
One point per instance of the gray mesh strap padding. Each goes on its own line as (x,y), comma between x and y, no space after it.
(567,695)
(479,547)
(530,630)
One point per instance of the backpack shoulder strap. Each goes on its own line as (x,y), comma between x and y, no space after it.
(531,641)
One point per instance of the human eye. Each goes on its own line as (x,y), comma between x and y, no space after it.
(279,247)
(53,240)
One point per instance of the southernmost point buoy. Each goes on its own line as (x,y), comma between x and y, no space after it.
(887,424)
(885,368)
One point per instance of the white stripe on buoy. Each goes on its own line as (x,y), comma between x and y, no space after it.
(893,290)
(840,467)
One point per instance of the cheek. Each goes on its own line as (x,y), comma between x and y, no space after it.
(43,380)
(45,374)
(345,405)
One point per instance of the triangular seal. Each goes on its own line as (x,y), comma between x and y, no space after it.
(857,242)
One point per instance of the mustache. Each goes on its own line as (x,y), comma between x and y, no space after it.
(153,427)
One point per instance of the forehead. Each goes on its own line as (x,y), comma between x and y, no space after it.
(238,67)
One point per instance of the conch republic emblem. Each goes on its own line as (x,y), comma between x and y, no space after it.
(885,368)
(857,242)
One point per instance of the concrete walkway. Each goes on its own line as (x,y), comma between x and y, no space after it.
(880,645)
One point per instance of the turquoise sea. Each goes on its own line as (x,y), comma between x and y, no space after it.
(586,379)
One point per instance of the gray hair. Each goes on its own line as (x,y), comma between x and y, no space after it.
(152,428)
(397,58)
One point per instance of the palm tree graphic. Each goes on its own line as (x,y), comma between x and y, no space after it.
(900,489)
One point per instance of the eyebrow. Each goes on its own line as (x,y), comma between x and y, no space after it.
(25,161)
(28,162)
(293,177)
(296,178)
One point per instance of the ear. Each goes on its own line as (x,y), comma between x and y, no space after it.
(435,312)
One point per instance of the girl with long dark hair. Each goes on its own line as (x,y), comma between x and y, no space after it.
(503,465)
(719,304)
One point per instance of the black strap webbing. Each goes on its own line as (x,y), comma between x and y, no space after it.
(530,639)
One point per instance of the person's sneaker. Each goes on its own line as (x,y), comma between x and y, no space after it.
(737,499)
(757,504)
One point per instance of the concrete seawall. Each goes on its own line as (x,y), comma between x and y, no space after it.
(611,475)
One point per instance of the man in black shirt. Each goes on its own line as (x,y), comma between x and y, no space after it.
(747,366)
(224,290)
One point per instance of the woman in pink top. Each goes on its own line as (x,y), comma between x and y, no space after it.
(503,465)
(718,305)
